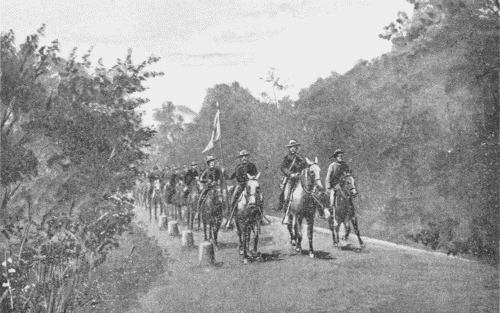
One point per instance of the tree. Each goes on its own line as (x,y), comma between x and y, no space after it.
(274,80)
(71,144)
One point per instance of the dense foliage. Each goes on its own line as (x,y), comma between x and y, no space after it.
(71,142)
(419,125)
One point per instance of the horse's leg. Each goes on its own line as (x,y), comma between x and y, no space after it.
(337,236)
(191,214)
(310,228)
(162,209)
(204,221)
(347,230)
(154,209)
(290,230)
(180,208)
(332,228)
(149,209)
(239,231)
(199,217)
(245,243)
(298,232)
(218,222)
(354,222)
(256,237)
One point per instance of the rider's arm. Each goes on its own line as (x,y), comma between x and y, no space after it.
(284,167)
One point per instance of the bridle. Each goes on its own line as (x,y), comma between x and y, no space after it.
(256,194)
(304,179)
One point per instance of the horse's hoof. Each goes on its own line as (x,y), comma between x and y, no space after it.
(245,261)
(335,244)
(241,252)
(311,255)
(293,243)
(298,250)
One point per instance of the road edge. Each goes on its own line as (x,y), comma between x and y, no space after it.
(382,242)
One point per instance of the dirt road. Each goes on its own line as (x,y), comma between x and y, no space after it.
(379,278)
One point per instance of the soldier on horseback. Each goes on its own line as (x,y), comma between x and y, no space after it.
(210,177)
(291,167)
(335,171)
(240,174)
(189,177)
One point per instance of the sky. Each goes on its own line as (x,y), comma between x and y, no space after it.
(204,43)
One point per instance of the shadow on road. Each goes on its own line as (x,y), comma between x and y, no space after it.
(268,257)
(322,255)
(350,247)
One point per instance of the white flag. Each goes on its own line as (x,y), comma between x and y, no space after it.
(215,132)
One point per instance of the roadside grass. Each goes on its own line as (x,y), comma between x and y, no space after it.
(128,272)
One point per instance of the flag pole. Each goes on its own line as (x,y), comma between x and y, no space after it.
(224,185)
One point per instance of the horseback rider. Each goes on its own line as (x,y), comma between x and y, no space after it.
(335,171)
(153,176)
(292,166)
(240,174)
(189,177)
(210,177)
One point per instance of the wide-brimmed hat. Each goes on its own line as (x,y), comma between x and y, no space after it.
(243,153)
(293,143)
(210,158)
(194,163)
(336,152)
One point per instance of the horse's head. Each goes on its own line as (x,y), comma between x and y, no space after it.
(218,194)
(348,184)
(313,173)
(252,191)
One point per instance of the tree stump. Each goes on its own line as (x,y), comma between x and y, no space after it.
(207,254)
(173,228)
(162,223)
(187,238)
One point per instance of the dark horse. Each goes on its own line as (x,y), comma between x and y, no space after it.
(344,211)
(303,204)
(248,216)
(211,213)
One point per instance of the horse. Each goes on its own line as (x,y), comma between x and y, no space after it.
(178,200)
(155,199)
(344,210)
(303,204)
(211,213)
(248,215)
(192,203)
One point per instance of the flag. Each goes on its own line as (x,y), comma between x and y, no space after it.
(215,132)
